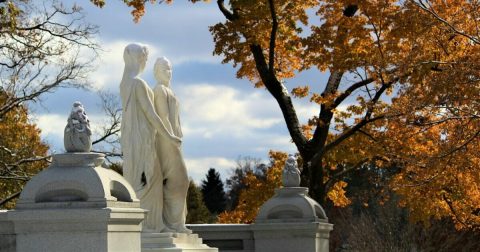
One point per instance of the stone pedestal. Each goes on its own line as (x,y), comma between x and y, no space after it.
(77,205)
(173,242)
(290,222)
(7,233)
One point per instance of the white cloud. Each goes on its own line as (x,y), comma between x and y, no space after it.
(198,167)
(51,125)
(306,110)
(209,110)
(109,72)
(277,142)
(181,28)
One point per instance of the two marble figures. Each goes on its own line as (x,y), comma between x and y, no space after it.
(151,143)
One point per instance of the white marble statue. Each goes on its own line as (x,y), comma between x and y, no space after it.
(291,173)
(170,155)
(140,124)
(77,132)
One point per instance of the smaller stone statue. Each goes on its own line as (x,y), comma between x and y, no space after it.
(77,132)
(291,173)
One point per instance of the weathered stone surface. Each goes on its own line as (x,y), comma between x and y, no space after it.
(77,205)
(292,237)
(151,143)
(173,242)
(77,180)
(7,233)
(291,173)
(291,221)
(77,133)
(291,204)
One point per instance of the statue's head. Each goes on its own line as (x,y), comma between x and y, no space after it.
(77,106)
(135,57)
(163,71)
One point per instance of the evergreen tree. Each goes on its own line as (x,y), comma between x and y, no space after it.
(213,193)
(197,211)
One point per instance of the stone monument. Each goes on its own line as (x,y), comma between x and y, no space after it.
(291,221)
(291,173)
(77,133)
(76,204)
(153,161)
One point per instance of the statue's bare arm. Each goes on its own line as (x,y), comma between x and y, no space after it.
(161,107)
(148,108)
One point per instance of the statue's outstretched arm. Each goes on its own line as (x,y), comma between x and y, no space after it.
(148,108)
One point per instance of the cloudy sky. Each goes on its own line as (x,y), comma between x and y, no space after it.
(222,117)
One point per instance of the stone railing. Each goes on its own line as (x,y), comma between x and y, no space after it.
(77,205)
(226,237)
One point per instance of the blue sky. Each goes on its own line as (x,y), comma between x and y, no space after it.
(222,117)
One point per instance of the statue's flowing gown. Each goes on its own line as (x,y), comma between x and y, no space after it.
(138,147)
(173,167)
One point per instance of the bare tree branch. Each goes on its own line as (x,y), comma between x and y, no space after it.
(113,111)
(42,53)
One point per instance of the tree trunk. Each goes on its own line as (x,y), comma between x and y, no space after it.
(312,177)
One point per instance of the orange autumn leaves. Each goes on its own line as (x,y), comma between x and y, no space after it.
(427,121)
(138,6)
(258,191)
(19,142)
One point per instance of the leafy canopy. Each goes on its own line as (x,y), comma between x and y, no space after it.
(403,91)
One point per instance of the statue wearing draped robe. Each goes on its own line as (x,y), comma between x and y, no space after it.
(140,124)
(170,156)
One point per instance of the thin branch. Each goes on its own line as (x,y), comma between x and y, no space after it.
(350,90)
(31,160)
(348,133)
(365,120)
(112,130)
(9,198)
(423,7)
(367,135)
(460,146)
(108,153)
(338,175)
(21,178)
(452,210)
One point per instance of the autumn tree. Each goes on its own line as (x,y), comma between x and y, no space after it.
(257,191)
(235,183)
(44,46)
(22,153)
(402,90)
(213,192)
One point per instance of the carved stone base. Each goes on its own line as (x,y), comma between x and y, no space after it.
(174,242)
